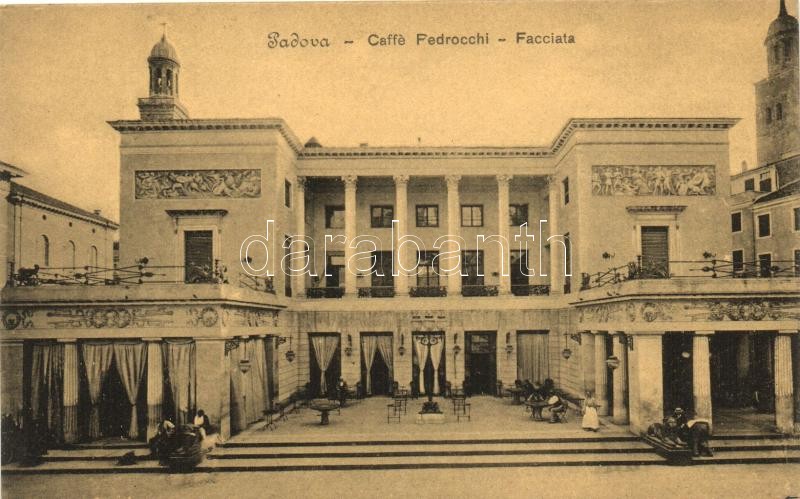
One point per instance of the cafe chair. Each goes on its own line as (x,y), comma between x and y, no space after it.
(393,412)
(464,412)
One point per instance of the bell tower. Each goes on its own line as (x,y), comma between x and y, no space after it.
(777,120)
(164,69)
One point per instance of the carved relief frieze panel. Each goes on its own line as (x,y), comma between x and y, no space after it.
(653,180)
(195,184)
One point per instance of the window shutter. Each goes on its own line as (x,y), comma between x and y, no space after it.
(655,249)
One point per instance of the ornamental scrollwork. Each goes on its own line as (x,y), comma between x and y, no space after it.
(206,316)
(743,310)
(17,319)
(193,184)
(110,317)
(653,180)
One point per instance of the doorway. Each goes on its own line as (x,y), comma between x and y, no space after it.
(324,347)
(677,366)
(480,363)
(376,363)
(423,369)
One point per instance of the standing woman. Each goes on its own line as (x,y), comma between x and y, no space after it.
(590,420)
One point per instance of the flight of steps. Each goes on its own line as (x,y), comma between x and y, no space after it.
(362,454)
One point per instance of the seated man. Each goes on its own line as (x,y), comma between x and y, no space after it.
(341,388)
(558,408)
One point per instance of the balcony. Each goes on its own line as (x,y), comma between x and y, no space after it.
(478,290)
(332,292)
(376,292)
(427,291)
(530,289)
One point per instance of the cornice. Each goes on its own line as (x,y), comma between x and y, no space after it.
(130,126)
(22,199)
(563,136)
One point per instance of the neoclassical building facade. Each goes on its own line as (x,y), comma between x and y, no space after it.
(620,290)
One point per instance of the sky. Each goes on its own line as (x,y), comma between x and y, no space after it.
(66,70)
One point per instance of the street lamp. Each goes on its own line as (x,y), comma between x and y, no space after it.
(428,340)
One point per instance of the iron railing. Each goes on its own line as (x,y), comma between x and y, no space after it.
(714,268)
(530,289)
(332,292)
(427,291)
(257,283)
(140,273)
(478,290)
(376,292)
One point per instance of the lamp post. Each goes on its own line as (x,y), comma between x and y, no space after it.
(427,339)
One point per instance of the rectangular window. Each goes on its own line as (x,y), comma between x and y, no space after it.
(750,184)
(519,267)
(765,265)
(334,217)
(655,252)
(381,216)
(198,256)
(765,183)
(472,215)
(796,219)
(738,261)
(565,182)
(517,214)
(764,229)
(382,275)
(736,222)
(472,263)
(427,215)
(428,270)
(287,193)
(797,263)
(334,269)
(287,279)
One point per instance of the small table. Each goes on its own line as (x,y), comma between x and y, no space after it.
(536,409)
(324,407)
(515,394)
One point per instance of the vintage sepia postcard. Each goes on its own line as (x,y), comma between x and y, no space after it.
(400,249)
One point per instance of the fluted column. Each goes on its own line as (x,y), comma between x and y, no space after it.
(701,375)
(600,373)
(556,267)
(503,182)
(453,229)
(350,281)
(155,385)
(401,215)
(71,384)
(784,393)
(299,278)
(620,351)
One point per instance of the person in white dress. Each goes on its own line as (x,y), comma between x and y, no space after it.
(590,420)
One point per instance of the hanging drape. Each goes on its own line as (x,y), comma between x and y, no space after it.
(269,374)
(179,358)
(385,348)
(369,345)
(436,358)
(47,371)
(247,384)
(532,358)
(422,359)
(97,359)
(130,366)
(254,383)
(324,348)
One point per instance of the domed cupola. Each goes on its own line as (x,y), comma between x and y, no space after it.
(781,41)
(164,67)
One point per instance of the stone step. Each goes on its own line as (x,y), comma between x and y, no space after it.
(329,440)
(758,456)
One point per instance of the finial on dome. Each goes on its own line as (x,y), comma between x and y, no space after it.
(782,11)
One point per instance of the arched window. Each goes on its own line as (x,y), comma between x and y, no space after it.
(169,81)
(776,53)
(768,115)
(70,256)
(779,111)
(43,253)
(787,48)
(93,256)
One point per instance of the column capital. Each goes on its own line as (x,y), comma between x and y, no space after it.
(156,340)
(788,331)
(703,333)
(452,181)
(301,183)
(400,180)
(503,179)
(350,181)
(67,340)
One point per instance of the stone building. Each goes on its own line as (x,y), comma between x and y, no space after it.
(615,291)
